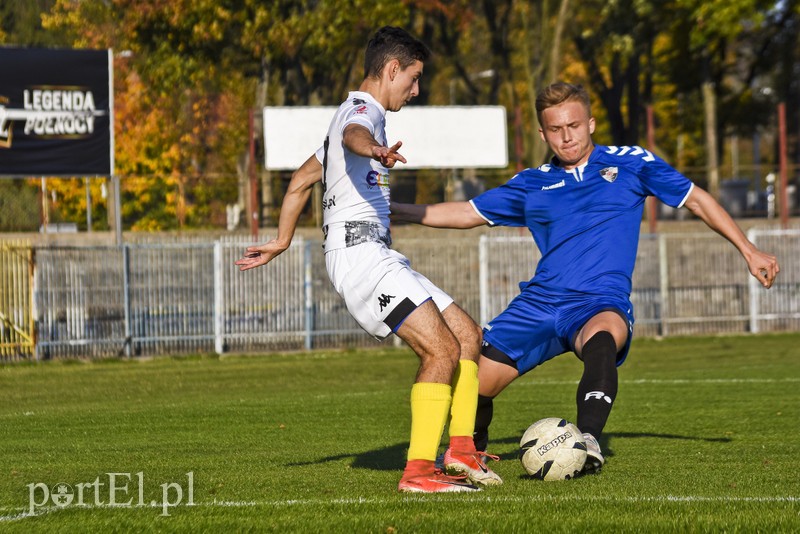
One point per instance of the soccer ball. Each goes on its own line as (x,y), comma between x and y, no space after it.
(552,449)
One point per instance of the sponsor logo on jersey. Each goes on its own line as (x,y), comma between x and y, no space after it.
(553,186)
(375,178)
(384,300)
(328,202)
(361,110)
(609,174)
(358,101)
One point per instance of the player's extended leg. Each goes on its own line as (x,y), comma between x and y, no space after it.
(429,337)
(493,377)
(597,344)
(461,456)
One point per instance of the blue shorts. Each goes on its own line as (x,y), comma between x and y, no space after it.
(538,325)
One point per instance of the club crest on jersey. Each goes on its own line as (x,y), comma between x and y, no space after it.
(609,174)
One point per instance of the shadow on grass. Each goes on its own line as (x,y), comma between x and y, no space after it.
(393,458)
(606,438)
(662,436)
(386,459)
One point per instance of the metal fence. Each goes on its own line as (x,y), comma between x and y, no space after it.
(683,284)
(16,313)
(151,298)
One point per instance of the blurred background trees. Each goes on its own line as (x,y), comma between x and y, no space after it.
(189,72)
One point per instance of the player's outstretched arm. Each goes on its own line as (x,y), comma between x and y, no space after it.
(299,190)
(358,140)
(443,215)
(762,265)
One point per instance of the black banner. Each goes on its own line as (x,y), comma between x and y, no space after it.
(56,112)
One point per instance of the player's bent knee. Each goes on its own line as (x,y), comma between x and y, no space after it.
(476,334)
(493,377)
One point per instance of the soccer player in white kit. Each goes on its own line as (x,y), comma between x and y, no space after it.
(379,287)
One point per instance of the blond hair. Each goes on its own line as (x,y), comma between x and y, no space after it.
(558,93)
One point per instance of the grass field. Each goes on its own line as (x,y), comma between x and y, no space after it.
(704,438)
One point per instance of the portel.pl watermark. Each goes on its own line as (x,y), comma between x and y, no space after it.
(124,490)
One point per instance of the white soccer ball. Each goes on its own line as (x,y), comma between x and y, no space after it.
(552,449)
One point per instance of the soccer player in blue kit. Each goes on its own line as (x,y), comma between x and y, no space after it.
(584,210)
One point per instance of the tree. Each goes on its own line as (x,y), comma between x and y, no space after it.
(615,41)
(178,99)
(727,42)
(21,24)
(196,68)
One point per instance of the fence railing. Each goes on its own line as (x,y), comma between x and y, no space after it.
(151,298)
(16,313)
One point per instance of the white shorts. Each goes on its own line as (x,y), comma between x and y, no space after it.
(379,287)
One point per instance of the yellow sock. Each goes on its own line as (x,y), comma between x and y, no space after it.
(430,403)
(465,399)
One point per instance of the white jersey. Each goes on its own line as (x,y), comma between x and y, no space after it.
(356,188)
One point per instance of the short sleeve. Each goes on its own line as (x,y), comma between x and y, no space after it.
(504,205)
(365,115)
(665,182)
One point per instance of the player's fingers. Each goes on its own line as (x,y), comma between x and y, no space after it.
(249,263)
(766,276)
(390,160)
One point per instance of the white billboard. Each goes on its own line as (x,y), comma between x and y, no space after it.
(433,136)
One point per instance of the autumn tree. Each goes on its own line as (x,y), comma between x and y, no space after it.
(188,73)
(719,51)
(178,103)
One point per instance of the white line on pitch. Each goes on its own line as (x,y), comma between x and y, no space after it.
(422,498)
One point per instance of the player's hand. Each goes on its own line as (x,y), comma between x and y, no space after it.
(764,267)
(259,255)
(388,156)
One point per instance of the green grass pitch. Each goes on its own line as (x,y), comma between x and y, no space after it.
(704,437)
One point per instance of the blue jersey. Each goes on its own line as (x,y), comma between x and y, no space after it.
(586,221)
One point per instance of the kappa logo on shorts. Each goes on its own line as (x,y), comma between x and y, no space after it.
(384,300)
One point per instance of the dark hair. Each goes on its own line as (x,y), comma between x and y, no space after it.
(390,43)
(559,92)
